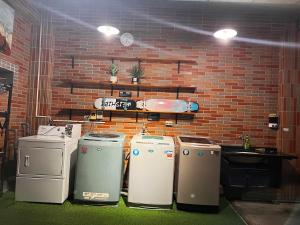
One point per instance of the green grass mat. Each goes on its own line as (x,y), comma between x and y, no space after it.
(21,213)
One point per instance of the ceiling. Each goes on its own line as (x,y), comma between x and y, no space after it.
(267,2)
(283,10)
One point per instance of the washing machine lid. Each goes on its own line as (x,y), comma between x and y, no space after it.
(44,138)
(195,140)
(104,136)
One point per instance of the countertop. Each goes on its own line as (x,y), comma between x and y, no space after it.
(233,150)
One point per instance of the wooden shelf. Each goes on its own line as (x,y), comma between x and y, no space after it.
(128,111)
(130,59)
(71,111)
(120,86)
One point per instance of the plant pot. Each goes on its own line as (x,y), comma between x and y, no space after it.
(113,79)
(135,80)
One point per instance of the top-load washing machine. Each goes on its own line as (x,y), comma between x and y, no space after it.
(151,171)
(46,163)
(99,170)
(197,173)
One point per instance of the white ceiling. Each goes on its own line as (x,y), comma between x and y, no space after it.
(271,2)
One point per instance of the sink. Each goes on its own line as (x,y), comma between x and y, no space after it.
(244,156)
(245,159)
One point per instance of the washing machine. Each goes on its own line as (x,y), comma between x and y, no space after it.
(46,164)
(99,170)
(151,171)
(197,173)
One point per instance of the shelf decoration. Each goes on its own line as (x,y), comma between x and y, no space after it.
(136,73)
(113,70)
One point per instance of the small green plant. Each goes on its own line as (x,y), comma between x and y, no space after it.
(137,72)
(113,70)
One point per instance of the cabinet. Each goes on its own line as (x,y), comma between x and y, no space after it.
(128,87)
(6,85)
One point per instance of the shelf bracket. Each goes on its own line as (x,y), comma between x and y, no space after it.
(139,63)
(136,117)
(178,66)
(138,91)
(177,93)
(112,60)
(111,90)
(110,115)
(70,114)
(176,118)
(72,86)
(73,61)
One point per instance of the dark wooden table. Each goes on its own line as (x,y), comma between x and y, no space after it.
(236,154)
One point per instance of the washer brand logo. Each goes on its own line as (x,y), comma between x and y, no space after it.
(99,149)
(151,150)
(83,149)
(169,154)
(135,152)
(200,153)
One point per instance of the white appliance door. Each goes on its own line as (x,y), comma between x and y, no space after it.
(40,160)
(151,174)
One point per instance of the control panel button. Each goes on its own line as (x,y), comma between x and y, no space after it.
(186,152)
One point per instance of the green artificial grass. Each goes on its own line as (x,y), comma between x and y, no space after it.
(22,213)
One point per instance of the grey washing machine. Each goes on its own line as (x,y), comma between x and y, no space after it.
(99,171)
(197,173)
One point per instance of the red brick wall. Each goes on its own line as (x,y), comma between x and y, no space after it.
(18,61)
(237,84)
(289,95)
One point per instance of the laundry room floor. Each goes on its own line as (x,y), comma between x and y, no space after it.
(21,213)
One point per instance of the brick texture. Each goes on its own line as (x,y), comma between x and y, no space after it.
(289,95)
(18,61)
(237,83)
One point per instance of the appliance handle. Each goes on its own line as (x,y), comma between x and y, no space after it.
(27,161)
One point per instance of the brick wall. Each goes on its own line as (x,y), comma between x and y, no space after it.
(237,83)
(19,62)
(289,95)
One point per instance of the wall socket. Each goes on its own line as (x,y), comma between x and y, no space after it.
(285,129)
(169,123)
(124,93)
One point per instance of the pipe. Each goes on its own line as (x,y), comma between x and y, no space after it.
(39,73)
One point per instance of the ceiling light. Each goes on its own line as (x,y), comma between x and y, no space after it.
(225,34)
(108,30)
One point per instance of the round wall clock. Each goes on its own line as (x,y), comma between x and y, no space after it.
(127,39)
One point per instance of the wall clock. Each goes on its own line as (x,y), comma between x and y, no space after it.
(127,39)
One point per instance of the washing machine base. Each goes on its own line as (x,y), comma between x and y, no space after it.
(198,208)
(97,203)
(149,206)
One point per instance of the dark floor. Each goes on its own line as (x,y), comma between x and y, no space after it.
(258,213)
(272,206)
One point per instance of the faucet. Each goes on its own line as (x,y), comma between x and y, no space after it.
(144,129)
(246,141)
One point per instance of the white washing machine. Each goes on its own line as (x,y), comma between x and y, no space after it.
(197,173)
(46,162)
(151,171)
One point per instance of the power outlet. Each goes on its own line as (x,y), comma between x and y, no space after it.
(124,93)
(169,123)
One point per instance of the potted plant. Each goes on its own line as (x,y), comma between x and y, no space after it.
(136,74)
(113,70)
